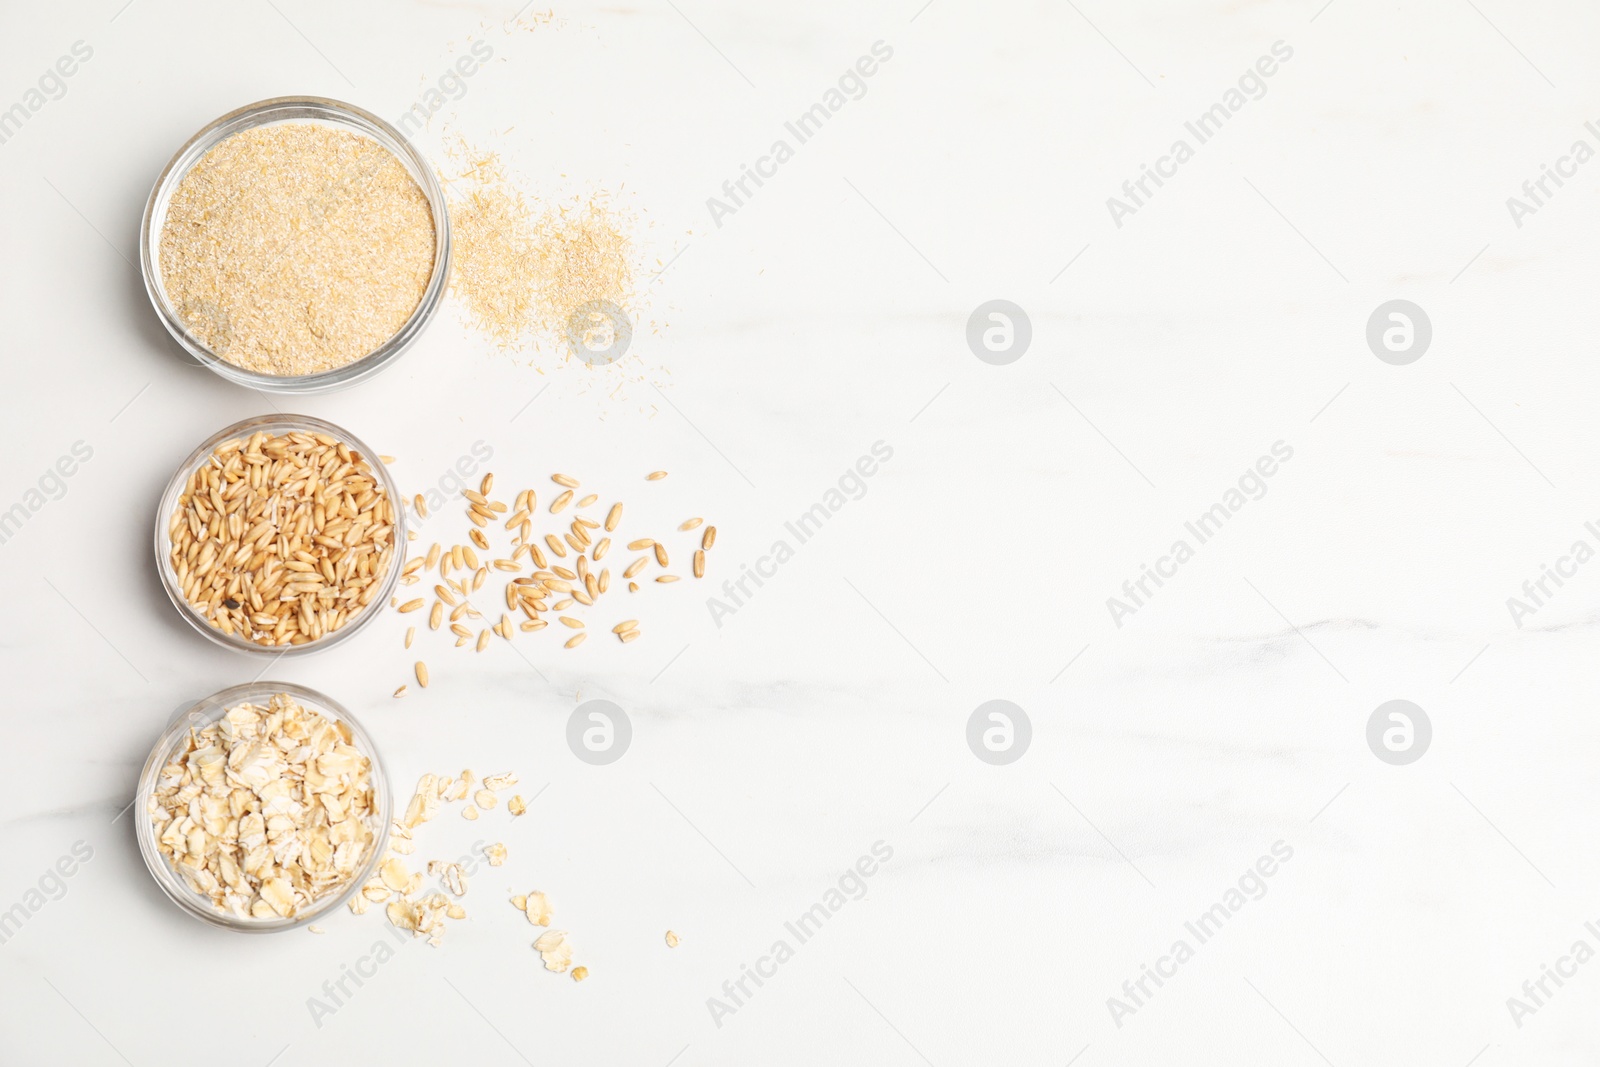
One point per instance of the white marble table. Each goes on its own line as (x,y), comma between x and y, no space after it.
(1176,339)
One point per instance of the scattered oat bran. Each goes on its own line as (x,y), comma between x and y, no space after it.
(522,270)
(493,260)
(533,20)
(296,248)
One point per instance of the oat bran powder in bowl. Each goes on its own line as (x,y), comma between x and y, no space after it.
(296,248)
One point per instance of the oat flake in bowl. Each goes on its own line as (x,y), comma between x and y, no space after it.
(264,806)
(296,248)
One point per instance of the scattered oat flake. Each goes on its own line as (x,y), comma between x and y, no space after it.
(537,905)
(451,876)
(579,973)
(672,939)
(495,854)
(554,948)
(424,804)
(400,915)
(395,875)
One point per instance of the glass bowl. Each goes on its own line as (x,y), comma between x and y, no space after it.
(201,715)
(320,111)
(275,424)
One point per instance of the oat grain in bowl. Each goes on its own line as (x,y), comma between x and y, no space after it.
(296,248)
(264,806)
(280,535)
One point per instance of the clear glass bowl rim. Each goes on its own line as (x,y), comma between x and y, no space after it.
(200,714)
(265,113)
(276,423)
